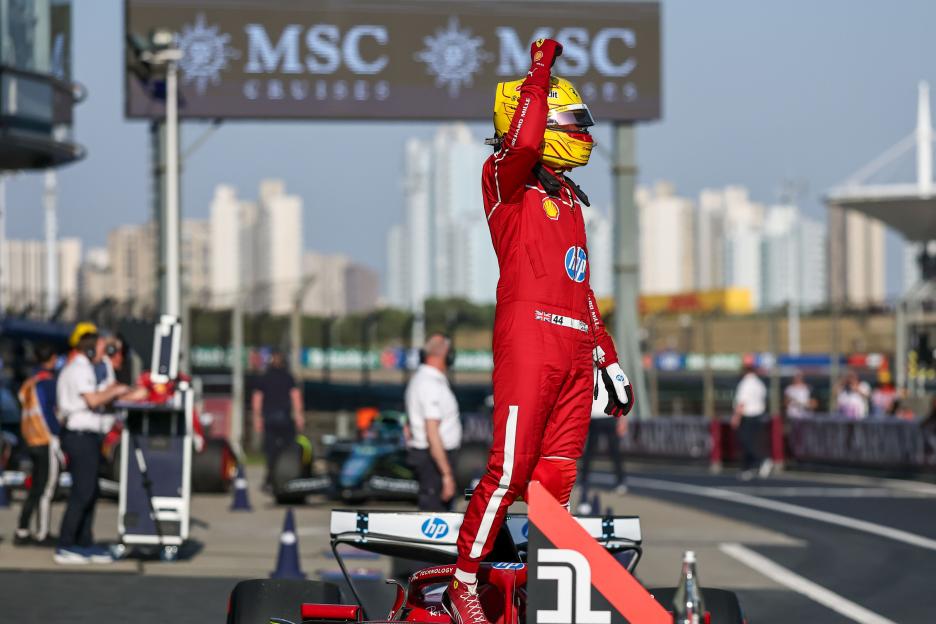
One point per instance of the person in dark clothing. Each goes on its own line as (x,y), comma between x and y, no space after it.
(610,430)
(278,412)
(40,429)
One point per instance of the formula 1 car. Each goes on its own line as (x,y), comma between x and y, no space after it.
(372,467)
(356,469)
(432,538)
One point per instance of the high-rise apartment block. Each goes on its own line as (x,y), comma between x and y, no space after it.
(125,270)
(667,244)
(25,284)
(443,247)
(600,250)
(94,278)
(856,258)
(727,240)
(794,260)
(336,285)
(131,251)
(196,260)
(224,227)
(256,248)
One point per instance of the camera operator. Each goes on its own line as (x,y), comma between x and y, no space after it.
(82,402)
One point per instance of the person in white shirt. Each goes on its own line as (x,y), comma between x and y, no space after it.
(798,398)
(81,403)
(434,431)
(853,397)
(750,408)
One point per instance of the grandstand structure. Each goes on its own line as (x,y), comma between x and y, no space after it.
(909,208)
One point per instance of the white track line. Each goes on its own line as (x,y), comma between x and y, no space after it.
(800,585)
(824,492)
(919,487)
(795,510)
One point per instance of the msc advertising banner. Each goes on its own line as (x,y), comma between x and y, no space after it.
(407,59)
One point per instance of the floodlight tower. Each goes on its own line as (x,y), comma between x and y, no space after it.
(158,56)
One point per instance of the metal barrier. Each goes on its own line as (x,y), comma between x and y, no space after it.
(893,445)
(889,444)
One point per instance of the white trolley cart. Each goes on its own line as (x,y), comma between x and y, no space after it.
(156,457)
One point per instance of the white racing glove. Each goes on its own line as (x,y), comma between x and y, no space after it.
(620,392)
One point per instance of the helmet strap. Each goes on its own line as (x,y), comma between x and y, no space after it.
(577,190)
(552,183)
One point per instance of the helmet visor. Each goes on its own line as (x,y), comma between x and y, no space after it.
(572,115)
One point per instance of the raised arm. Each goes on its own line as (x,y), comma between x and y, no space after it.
(521,145)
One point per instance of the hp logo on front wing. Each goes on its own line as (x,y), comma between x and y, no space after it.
(435,528)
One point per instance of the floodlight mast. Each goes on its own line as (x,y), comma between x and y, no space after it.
(163,53)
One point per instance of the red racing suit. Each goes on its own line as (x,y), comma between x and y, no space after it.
(546,328)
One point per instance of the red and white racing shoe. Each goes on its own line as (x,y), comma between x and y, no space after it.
(462,603)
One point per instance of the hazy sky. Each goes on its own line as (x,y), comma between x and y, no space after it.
(754,93)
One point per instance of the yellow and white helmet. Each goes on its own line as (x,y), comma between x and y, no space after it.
(566,143)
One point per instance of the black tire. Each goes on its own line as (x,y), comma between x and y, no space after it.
(470,464)
(722,604)
(213,468)
(258,600)
(286,467)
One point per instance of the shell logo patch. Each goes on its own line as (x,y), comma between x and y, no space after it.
(551,209)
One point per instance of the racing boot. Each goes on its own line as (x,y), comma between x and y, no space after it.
(461,601)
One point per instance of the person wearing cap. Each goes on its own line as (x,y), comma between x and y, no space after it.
(81,403)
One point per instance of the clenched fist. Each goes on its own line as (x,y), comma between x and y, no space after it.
(544,52)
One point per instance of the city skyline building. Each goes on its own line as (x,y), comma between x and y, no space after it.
(26,283)
(743,266)
(598,233)
(726,219)
(94,281)
(131,251)
(256,248)
(418,228)
(474,272)
(225,236)
(442,248)
(667,241)
(337,285)
(279,246)
(196,260)
(856,253)
(794,261)
(397,281)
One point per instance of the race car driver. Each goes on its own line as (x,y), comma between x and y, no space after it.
(547,328)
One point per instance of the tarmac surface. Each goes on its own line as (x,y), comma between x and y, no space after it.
(797,548)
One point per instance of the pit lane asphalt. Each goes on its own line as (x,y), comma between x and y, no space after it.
(888,577)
